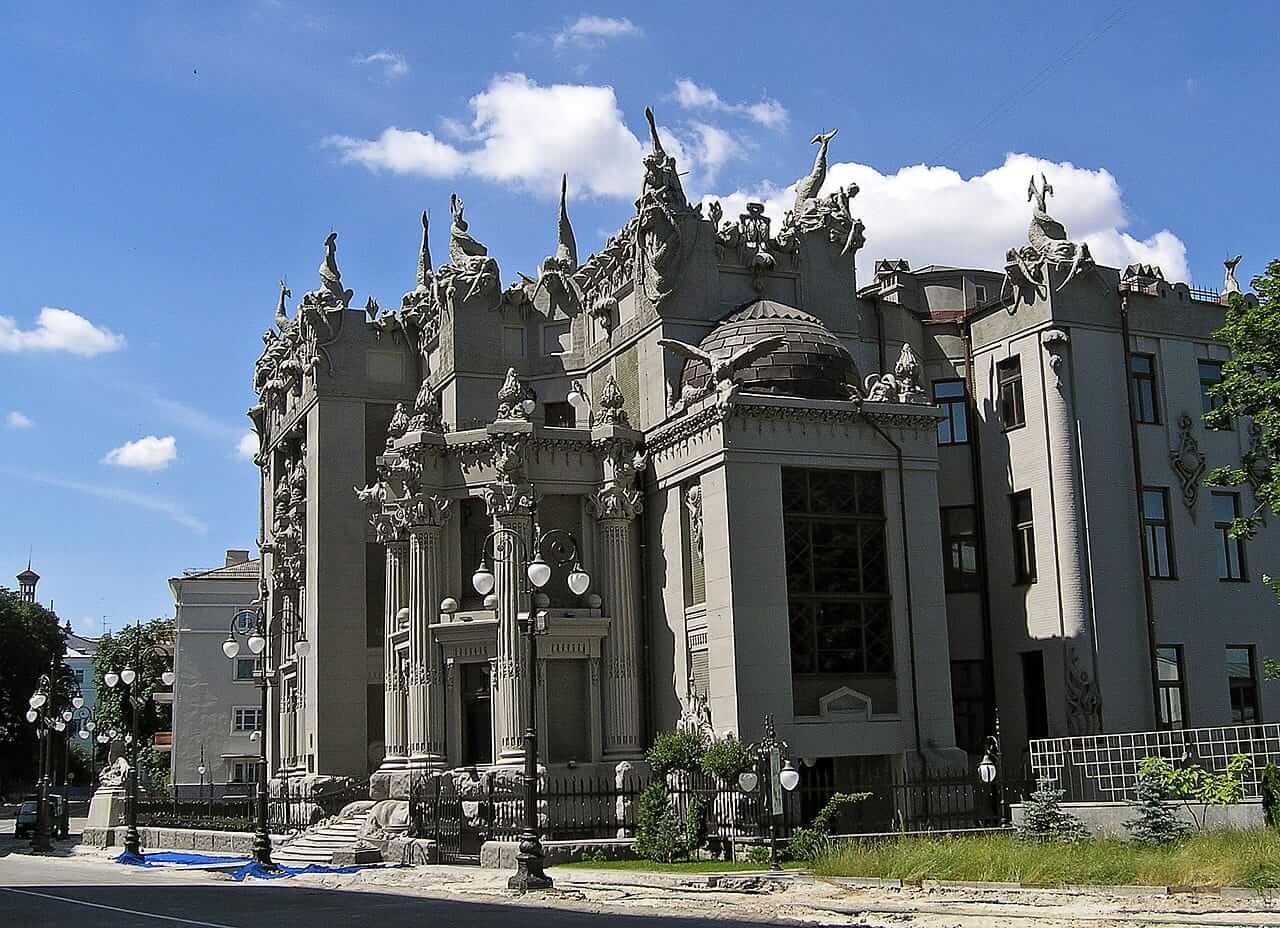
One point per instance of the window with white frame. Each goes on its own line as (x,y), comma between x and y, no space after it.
(245,720)
(248,669)
(243,771)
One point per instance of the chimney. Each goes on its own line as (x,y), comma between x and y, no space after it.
(236,556)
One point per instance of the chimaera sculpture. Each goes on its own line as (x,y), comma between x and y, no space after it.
(723,367)
(1048,246)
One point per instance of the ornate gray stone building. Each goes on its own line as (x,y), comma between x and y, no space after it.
(879,514)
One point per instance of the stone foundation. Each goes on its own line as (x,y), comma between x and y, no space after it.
(501,855)
(177,839)
(1106,819)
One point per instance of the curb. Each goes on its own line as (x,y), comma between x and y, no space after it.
(1239,893)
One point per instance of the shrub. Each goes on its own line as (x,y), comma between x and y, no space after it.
(759,854)
(658,833)
(808,843)
(676,750)
(1271,795)
(1156,823)
(695,823)
(725,759)
(1192,783)
(1046,820)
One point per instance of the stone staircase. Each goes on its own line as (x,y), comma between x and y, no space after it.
(317,844)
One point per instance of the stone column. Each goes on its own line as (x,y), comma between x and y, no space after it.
(618,578)
(1083,701)
(394,739)
(426,670)
(511,507)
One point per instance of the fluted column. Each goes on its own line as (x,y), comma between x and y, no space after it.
(510,505)
(618,573)
(394,733)
(1084,706)
(426,674)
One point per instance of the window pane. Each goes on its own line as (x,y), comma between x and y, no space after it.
(1167,664)
(1141,364)
(1225,507)
(795,490)
(948,388)
(1153,506)
(1239,664)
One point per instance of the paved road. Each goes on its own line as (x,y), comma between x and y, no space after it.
(70,893)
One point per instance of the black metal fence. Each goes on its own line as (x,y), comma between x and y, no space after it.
(291,806)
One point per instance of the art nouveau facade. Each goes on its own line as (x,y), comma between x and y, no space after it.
(769,527)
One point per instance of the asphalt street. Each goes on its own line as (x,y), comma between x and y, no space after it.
(65,892)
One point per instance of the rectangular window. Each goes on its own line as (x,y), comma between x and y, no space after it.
(1024,538)
(558,415)
(1009,379)
(1172,686)
(1243,685)
(1034,701)
(837,586)
(1226,509)
(244,771)
(979,294)
(1142,368)
(960,548)
(246,720)
(248,668)
(968,703)
(954,427)
(569,705)
(1210,377)
(1155,520)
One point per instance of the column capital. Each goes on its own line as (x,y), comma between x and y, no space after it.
(615,502)
(426,511)
(509,498)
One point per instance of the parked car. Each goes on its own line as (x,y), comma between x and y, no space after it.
(24,825)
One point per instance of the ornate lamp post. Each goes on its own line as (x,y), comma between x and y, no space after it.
(44,715)
(773,766)
(131,686)
(991,772)
(554,548)
(254,627)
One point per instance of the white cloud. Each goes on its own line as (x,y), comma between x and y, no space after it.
(168,508)
(933,215)
(712,148)
(58,330)
(595,31)
(247,447)
(525,135)
(690,96)
(16,420)
(150,453)
(392,64)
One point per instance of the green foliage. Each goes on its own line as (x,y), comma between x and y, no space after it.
(202,822)
(1194,784)
(1214,858)
(658,833)
(676,750)
(151,644)
(1156,822)
(812,841)
(759,854)
(153,766)
(695,823)
(1271,795)
(32,644)
(725,758)
(1046,820)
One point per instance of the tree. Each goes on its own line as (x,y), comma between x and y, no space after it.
(32,644)
(1157,823)
(1250,388)
(114,653)
(1044,819)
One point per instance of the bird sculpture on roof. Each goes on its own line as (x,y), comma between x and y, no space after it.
(808,187)
(462,244)
(725,366)
(330,276)
(1230,284)
(282,315)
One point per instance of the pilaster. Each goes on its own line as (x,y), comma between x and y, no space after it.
(426,720)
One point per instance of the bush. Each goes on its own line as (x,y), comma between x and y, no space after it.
(1156,823)
(676,750)
(1192,783)
(725,759)
(1046,820)
(658,832)
(813,841)
(759,854)
(1271,795)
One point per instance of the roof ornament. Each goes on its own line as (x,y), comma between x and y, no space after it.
(462,244)
(424,255)
(901,386)
(659,210)
(330,276)
(722,368)
(470,271)
(566,246)
(282,315)
(1229,283)
(832,214)
(809,186)
(1028,268)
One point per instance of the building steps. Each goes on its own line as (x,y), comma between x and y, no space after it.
(316,845)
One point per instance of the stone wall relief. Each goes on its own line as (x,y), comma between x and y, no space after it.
(1054,342)
(618,497)
(1188,462)
(693,508)
(1027,268)
(1083,704)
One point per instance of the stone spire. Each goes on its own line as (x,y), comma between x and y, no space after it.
(424,254)
(566,247)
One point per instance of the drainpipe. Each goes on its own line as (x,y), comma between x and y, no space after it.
(880,342)
(906,576)
(646,632)
(1136,456)
(991,710)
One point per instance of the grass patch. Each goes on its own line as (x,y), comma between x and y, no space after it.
(1221,858)
(687,866)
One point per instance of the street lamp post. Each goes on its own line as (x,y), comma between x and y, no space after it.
(991,772)
(131,685)
(773,766)
(43,714)
(553,548)
(253,626)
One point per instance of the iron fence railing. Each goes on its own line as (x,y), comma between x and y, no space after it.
(1104,768)
(291,806)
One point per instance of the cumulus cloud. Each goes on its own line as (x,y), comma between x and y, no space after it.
(690,96)
(932,215)
(247,447)
(712,147)
(595,31)
(391,65)
(149,453)
(58,330)
(525,135)
(16,420)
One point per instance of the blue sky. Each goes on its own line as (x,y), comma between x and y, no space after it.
(165,164)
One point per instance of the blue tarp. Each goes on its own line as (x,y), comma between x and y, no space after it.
(160,858)
(280,872)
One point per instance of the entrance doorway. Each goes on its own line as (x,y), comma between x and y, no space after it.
(477,715)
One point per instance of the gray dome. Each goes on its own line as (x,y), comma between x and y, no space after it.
(810,363)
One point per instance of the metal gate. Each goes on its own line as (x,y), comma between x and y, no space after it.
(437,811)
